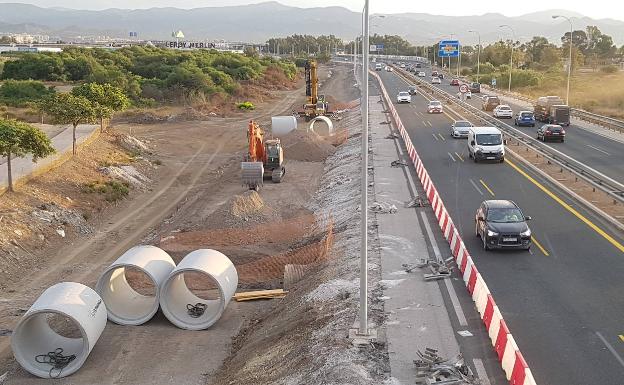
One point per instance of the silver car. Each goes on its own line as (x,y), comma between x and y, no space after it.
(460,128)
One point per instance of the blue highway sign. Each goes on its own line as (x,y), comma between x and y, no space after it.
(449,48)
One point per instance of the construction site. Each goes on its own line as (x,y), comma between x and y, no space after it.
(292,239)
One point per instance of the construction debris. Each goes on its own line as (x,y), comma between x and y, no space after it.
(392,135)
(260,294)
(398,163)
(416,202)
(383,208)
(438,270)
(433,369)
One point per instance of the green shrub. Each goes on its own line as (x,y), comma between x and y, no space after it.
(247,106)
(112,190)
(609,69)
(18,93)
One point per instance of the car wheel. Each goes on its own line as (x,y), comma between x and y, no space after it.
(515,122)
(475,159)
(562,140)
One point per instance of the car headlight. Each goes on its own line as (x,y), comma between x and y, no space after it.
(526,233)
(492,233)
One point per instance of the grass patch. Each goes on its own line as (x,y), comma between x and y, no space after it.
(112,190)
(246,106)
(598,92)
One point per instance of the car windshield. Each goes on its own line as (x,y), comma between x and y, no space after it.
(435,104)
(463,123)
(403,93)
(506,108)
(505,215)
(527,114)
(489,139)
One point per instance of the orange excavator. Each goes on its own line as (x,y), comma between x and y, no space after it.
(263,156)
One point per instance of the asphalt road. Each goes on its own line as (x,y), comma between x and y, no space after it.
(562,300)
(598,152)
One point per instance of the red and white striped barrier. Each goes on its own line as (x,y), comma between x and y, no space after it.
(516,369)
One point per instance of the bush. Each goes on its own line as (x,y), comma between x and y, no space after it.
(19,93)
(610,69)
(247,106)
(112,190)
(466,71)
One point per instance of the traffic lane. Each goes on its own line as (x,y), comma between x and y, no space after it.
(476,348)
(535,306)
(598,152)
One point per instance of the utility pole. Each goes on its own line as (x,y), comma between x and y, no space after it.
(570,58)
(478,54)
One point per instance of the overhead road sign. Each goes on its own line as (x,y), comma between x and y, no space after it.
(448,48)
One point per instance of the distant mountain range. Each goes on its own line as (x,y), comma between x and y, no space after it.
(259,22)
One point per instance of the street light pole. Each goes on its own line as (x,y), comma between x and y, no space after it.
(513,33)
(363,325)
(570,58)
(478,54)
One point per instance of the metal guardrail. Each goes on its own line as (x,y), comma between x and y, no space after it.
(595,178)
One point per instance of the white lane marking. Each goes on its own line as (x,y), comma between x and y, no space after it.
(435,137)
(475,186)
(597,149)
(608,345)
(481,373)
(429,123)
(451,156)
(447,282)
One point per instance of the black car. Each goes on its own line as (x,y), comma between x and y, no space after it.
(552,132)
(412,90)
(502,225)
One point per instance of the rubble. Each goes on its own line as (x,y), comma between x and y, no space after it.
(383,208)
(433,369)
(128,174)
(60,216)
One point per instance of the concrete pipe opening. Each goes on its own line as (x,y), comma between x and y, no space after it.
(198,290)
(328,123)
(130,286)
(56,335)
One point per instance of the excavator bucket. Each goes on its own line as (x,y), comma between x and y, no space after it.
(253,174)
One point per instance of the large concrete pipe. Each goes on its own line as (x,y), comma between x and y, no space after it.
(282,125)
(57,333)
(134,302)
(326,120)
(198,289)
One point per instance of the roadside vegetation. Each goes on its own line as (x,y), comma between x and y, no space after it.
(149,76)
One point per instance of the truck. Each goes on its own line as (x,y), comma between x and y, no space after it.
(552,110)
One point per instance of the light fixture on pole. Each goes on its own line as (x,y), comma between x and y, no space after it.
(478,54)
(513,33)
(570,57)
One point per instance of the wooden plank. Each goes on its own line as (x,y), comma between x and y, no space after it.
(260,293)
(241,299)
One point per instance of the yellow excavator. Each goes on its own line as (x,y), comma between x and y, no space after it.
(316,105)
(262,155)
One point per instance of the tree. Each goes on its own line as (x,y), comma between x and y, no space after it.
(66,108)
(105,98)
(579,40)
(250,51)
(18,139)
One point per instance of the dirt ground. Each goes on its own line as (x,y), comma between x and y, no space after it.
(191,198)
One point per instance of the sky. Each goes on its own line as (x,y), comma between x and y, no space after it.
(596,9)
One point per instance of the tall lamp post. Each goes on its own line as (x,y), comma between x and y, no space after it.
(478,54)
(363,324)
(570,57)
(513,33)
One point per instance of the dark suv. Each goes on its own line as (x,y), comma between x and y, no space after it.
(551,132)
(501,225)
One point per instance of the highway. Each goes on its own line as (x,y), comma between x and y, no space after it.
(562,300)
(598,152)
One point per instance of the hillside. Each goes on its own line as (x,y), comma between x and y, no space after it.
(258,22)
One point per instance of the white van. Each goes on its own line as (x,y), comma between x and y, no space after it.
(486,143)
(378,67)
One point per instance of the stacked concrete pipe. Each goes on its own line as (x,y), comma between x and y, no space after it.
(124,304)
(176,298)
(34,338)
